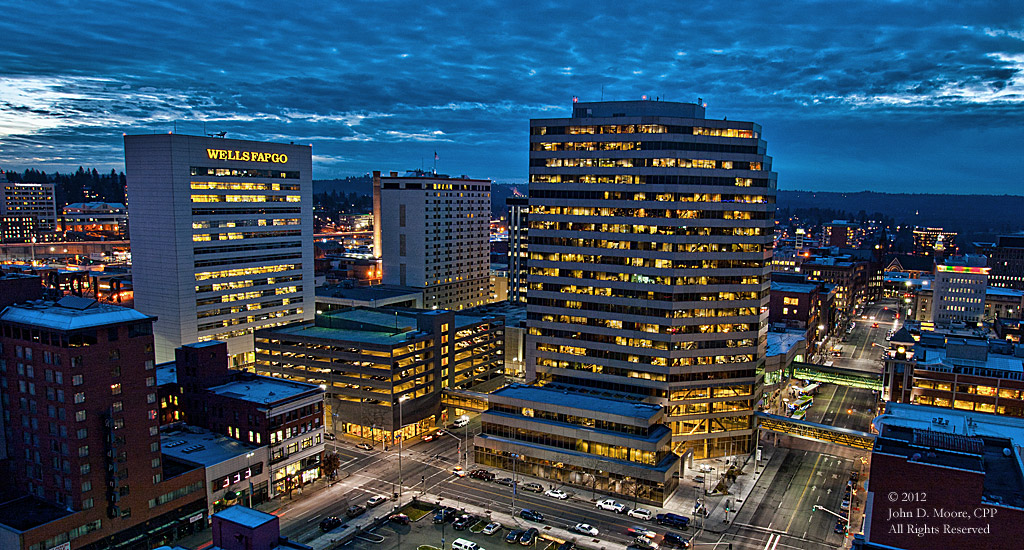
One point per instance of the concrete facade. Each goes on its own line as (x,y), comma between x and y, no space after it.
(226,245)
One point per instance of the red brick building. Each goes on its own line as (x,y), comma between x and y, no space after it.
(79,397)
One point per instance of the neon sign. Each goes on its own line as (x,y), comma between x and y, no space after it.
(253,156)
(962,269)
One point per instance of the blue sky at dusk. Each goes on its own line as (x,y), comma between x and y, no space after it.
(884,96)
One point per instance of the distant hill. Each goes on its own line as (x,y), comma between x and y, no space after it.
(360,185)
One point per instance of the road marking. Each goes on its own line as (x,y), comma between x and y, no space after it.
(803,493)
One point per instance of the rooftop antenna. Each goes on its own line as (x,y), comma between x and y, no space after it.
(602,92)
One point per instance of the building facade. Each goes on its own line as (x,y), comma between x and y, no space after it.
(34,200)
(1005,260)
(959,290)
(434,233)
(650,246)
(385,370)
(929,240)
(518,256)
(227,243)
(80,405)
(102,218)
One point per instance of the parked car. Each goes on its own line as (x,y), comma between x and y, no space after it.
(556,493)
(840,527)
(531,515)
(482,474)
(400,519)
(637,531)
(365,446)
(567,545)
(355,510)
(376,500)
(532,487)
(610,504)
(530,536)
(644,543)
(585,529)
(329,523)
(698,479)
(854,476)
(463,522)
(491,528)
(506,481)
(673,520)
(330,437)
(675,539)
(514,535)
(640,513)
(442,515)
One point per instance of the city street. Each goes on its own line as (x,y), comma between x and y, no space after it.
(862,348)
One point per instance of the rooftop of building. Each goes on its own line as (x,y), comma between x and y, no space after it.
(562,397)
(367,293)
(796,288)
(200,446)
(28,512)
(908,262)
(246,517)
(981,442)
(513,312)
(779,343)
(167,373)
(941,357)
(70,313)
(94,206)
(425,175)
(1001,291)
(263,389)
(967,260)
(385,327)
(640,108)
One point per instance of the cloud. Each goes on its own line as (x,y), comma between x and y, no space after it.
(379,85)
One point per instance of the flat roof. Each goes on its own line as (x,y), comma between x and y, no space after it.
(167,373)
(513,312)
(29,512)
(367,293)
(994,361)
(1000,291)
(245,516)
(779,343)
(565,398)
(347,335)
(200,446)
(70,313)
(263,389)
(799,288)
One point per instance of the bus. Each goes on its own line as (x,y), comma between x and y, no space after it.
(810,389)
(799,415)
(803,403)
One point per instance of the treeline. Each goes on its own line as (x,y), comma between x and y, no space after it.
(79,186)
(334,203)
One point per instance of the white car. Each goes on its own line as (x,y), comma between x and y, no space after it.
(376,500)
(705,468)
(556,493)
(640,513)
(610,504)
(585,529)
(491,528)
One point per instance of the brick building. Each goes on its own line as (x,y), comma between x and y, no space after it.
(80,405)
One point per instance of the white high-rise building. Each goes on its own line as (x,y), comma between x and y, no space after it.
(434,233)
(960,286)
(222,238)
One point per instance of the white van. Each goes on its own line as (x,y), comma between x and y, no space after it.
(461,422)
(463,544)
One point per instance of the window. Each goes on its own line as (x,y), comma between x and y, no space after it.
(115,354)
(151,398)
(86,486)
(80,397)
(80,416)
(83,433)
(85,468)
(155,463)
(117,406)
(77,380)
(150,382)
(154,446)
(115,389)
(87,503)
(83,451)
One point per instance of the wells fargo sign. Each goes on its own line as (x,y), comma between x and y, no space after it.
(249,156)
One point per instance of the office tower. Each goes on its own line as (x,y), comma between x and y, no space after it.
(518,257)
(840,233)
(80,398)
(960,284)
(434,232)
(650,250)
(35,200)
(222,238)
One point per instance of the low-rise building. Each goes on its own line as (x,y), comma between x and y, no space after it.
(104,218)
(242,528)
(235,471)
(959,290)
(571,437)
(348,295)
(384,370)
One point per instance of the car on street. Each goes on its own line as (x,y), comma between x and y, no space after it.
(491,528)
(854,476)
(611,505)
(531,515)
(706,468)
(530,536)
(644,543)
(400,519)
(355,510)
(330,437)
(428,437)
(640,513)
(461,422)
(698,479)
(673,520)
(675,539)
(459,471)
(329,523)
(514,535)
(845,506)
(840,527)
(637,531)
(532,487)
(556,493)
(463,522)
(585,529)
(376,500)
(482,475)
(365,446)
(506,481)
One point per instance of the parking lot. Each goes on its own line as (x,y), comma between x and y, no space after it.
(426,533)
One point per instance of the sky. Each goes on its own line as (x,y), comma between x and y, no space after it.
(920,96)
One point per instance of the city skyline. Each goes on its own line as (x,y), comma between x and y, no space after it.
(931,90)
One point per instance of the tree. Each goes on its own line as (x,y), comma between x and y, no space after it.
(330,465)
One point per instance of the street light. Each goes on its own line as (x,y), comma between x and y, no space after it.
(401,440)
